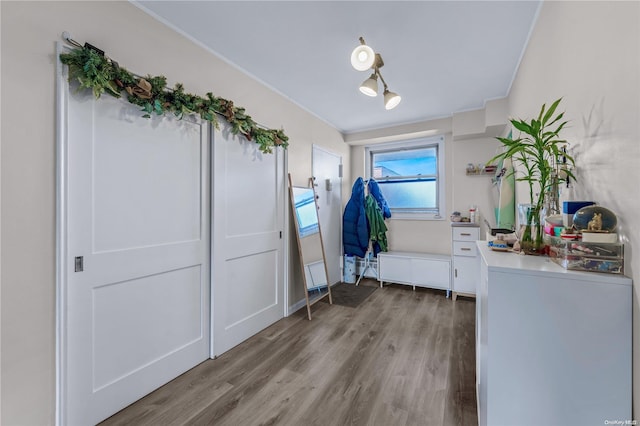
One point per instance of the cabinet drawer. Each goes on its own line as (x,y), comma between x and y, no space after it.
(466,234)
(464,248)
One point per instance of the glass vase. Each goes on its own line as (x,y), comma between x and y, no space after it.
(531,241)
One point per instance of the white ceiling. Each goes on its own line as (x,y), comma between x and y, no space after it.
(442,57)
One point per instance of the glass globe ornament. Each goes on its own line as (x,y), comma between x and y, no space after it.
(595,219)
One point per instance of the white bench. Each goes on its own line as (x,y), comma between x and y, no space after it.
(415,269)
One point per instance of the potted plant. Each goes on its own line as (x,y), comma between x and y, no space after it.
(537,150)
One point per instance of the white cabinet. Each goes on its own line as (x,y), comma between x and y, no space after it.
(553,346)
(415,269)
(464,257)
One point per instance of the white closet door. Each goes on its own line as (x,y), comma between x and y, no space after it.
(326,165)
(248,240)
(136,211)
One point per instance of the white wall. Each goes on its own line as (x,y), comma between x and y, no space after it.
(29,32)
(462,191)
(427,236)
(474,190)
(431,236)
(589,54)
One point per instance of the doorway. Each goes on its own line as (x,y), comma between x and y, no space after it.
(327,170)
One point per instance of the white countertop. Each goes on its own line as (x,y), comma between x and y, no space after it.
(541,266)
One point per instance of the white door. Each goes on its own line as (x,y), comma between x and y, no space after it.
(327,168)
(248,241)
(134,300)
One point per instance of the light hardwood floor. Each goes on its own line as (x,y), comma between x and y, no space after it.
(400,358)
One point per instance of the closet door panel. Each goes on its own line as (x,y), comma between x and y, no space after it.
(248,244)
(134,310)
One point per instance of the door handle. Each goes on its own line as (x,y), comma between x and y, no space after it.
(465,249)
(79,263)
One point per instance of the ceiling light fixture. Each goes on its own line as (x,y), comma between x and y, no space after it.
(391,99)
(363,58)
(370,86)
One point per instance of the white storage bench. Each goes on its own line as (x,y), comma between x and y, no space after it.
(415,269)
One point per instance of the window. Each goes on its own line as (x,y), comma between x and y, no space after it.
(411,176)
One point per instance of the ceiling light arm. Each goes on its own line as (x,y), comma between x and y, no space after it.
(377,70)
(377,64)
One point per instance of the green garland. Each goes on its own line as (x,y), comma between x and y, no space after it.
(100,74)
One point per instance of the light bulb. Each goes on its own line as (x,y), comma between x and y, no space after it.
(362,57)
(391,99)
(370,86)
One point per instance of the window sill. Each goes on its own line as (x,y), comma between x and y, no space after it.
(415,216)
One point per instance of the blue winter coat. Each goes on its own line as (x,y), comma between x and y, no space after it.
(355,235)
(374,190)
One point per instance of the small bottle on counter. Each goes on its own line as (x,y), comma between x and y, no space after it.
(472,214)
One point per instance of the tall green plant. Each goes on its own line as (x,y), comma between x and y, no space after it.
(537,149)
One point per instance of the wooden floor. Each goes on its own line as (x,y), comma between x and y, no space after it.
(400,358)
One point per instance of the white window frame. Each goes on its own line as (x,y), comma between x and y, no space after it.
(437,141)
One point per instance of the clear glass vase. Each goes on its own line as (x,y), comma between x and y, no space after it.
(523,213)
(531,236)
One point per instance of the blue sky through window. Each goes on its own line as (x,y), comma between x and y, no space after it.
(405,163)
(408,177)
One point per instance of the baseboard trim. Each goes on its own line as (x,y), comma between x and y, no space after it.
(301,303)
(298,305)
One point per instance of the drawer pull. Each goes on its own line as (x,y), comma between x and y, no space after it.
(465,234)
(465,249)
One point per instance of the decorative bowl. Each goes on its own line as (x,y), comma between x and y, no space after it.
(554,220)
